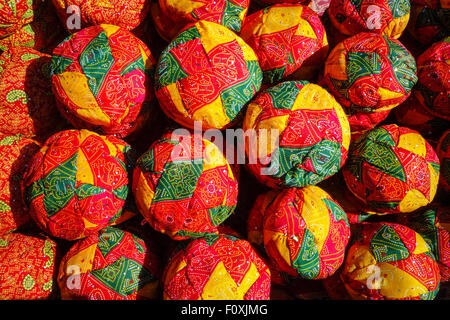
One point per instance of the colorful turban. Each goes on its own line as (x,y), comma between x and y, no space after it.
(184,186)
(112,264)
(39,34)
(433,224)
(390,262)
(289,40)
(298,135)
(206,74)
(27,268)
(443,152)
(433,86)
(429,21)
(369,75)
(384,17)
(216,268)
(15,154)
(255,222)
(78,183)
(27,104)
(392,169)
(127,14)
(101,76)
(16,14)
(306,233)
(170,16)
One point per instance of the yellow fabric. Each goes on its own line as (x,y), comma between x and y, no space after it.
(358,257)
(396,27)
(218,119)
(305,29)
(316,214)
(76,87)
(82,259)
(103,3)
(84,172)
(213,35)
(249,279)
(213,157)
(413,200)
(280,242)
(143,194)
(396,283)
(386,94)
(279,19)
(421,245)
(414,143)
(220,286)
(314,97)
(253,111)
(109,29)
(181,7)
(267,143)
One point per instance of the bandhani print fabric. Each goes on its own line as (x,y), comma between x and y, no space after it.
(216,268)
(39,34)
(101,77)
(27,104)
(15,154)
(301,135)
(443,152)
(14,14)
(206,74)
(433,225)
(112,264)
(28,267)
(433,87)
(127,14)
(385,17)
(184,186)
(170,16)
(306,233)
(369,75)
(430,21)
(392,169)
(289,39)
(390,261)
(78,183)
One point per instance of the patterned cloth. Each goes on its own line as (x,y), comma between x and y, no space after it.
(27,268)
(443,152)
(385,17)
(216,268)
(433,87)
(15,154)
(184,186)
(390,261)
(301,135)
(27,104)
(14,14)
(306,233)
(433,224)
(430,21)
(127,14)
(206,74)
(392,169)
(112,264)
(40,33)
(286,37)
(78,183)
(369,75)
(101,76)
(170,16)
(255,221)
